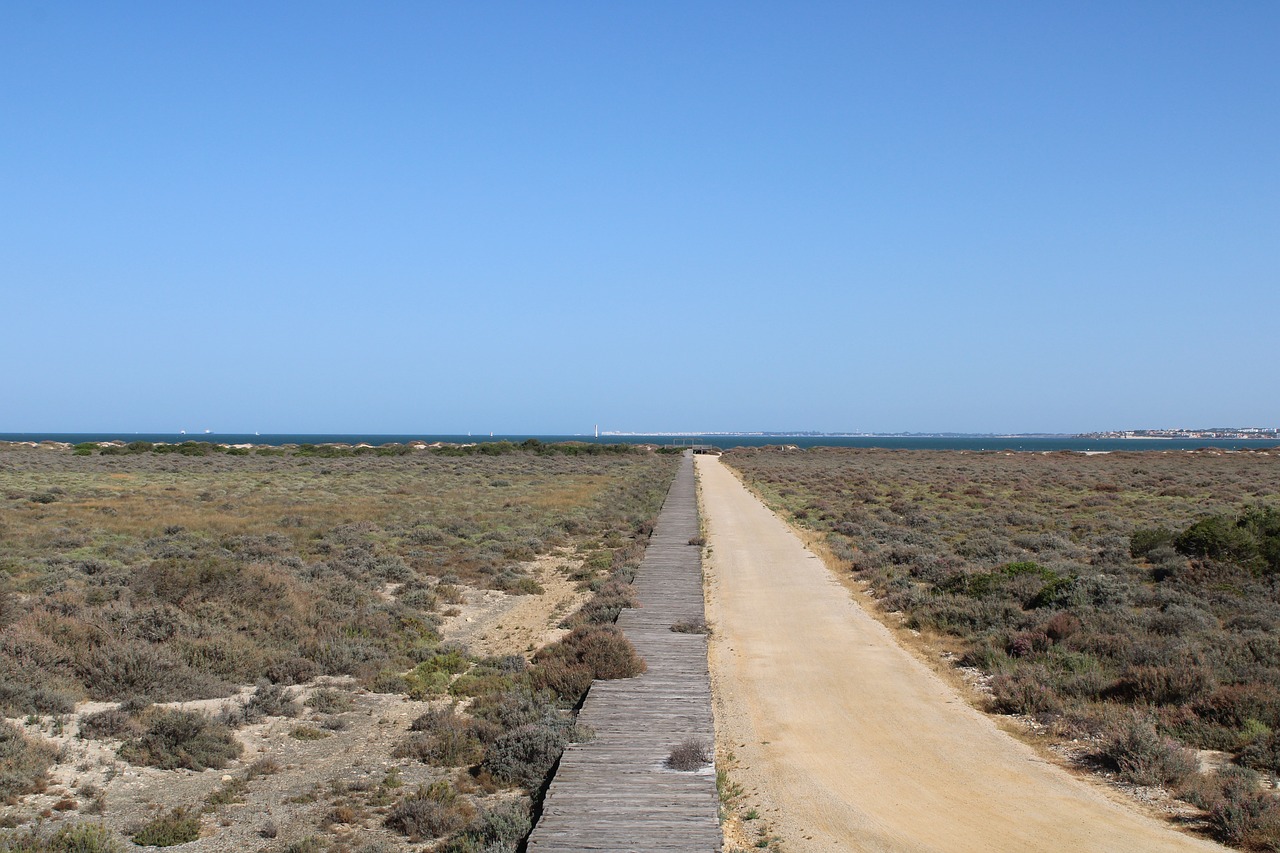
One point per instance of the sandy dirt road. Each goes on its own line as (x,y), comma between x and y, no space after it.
(851,744)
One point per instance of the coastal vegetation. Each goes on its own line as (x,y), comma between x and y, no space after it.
(1129,602)
(141,576)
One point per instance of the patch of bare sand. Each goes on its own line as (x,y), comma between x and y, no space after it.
(292,803)
(490,622)
(842,740)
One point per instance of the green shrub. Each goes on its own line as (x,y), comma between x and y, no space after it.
(268,700)
(511,709)
(429,812)
(450,661)
(310,844)
(1025,691)
(23,762)
(1056,593)
(1239,811)
(132,669)
(1142,756)
(1262,753)
(328,701)
(481,681)
(184,739)
(176,827)
(443,738)
(433,676)
(424,685)
(1251,539)
(602,649)
(17,699)
(1165,685)
(309,733)
(1143,542)
(500,829)
(77,838)
(112,723)
(526,754)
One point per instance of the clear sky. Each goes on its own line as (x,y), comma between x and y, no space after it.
(538,217)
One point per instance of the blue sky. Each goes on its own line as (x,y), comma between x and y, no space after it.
(520,217)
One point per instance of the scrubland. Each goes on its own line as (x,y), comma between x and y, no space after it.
(1124,606)
(250,650)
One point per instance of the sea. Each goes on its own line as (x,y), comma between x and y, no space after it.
(1029,444)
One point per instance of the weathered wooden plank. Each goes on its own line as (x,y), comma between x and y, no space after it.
(615,792)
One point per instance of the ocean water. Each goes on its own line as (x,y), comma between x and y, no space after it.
(1033,444)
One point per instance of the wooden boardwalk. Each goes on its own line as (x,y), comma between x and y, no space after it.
(615,793)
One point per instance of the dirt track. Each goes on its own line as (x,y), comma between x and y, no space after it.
(848,742)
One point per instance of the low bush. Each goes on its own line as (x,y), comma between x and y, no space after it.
(500,829)
(1024,691)
(310,844)
(1143,542)
(603,608)
(308,733)
(566,679)
(526,754)
(511,709)
(77,838)
(270,700)
(111,724)
(1143,756)
(17,699)
(442,738)
(1165,685)
(585,653)
(231,791)
(23,762)
(1061,626)
(1238,810)
(184,739)
(689,755)
(430,812)
(329,701)
(168,830)
(133,669)
(267,700)
(1262,753)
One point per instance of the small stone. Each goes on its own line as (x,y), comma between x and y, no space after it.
(226,777)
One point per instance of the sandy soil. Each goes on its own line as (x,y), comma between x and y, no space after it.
(312,776)
(490,622)
(844,741)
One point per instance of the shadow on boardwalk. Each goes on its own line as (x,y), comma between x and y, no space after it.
(615,793)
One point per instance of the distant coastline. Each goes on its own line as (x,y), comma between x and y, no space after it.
(1250,433)
(1101,443)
